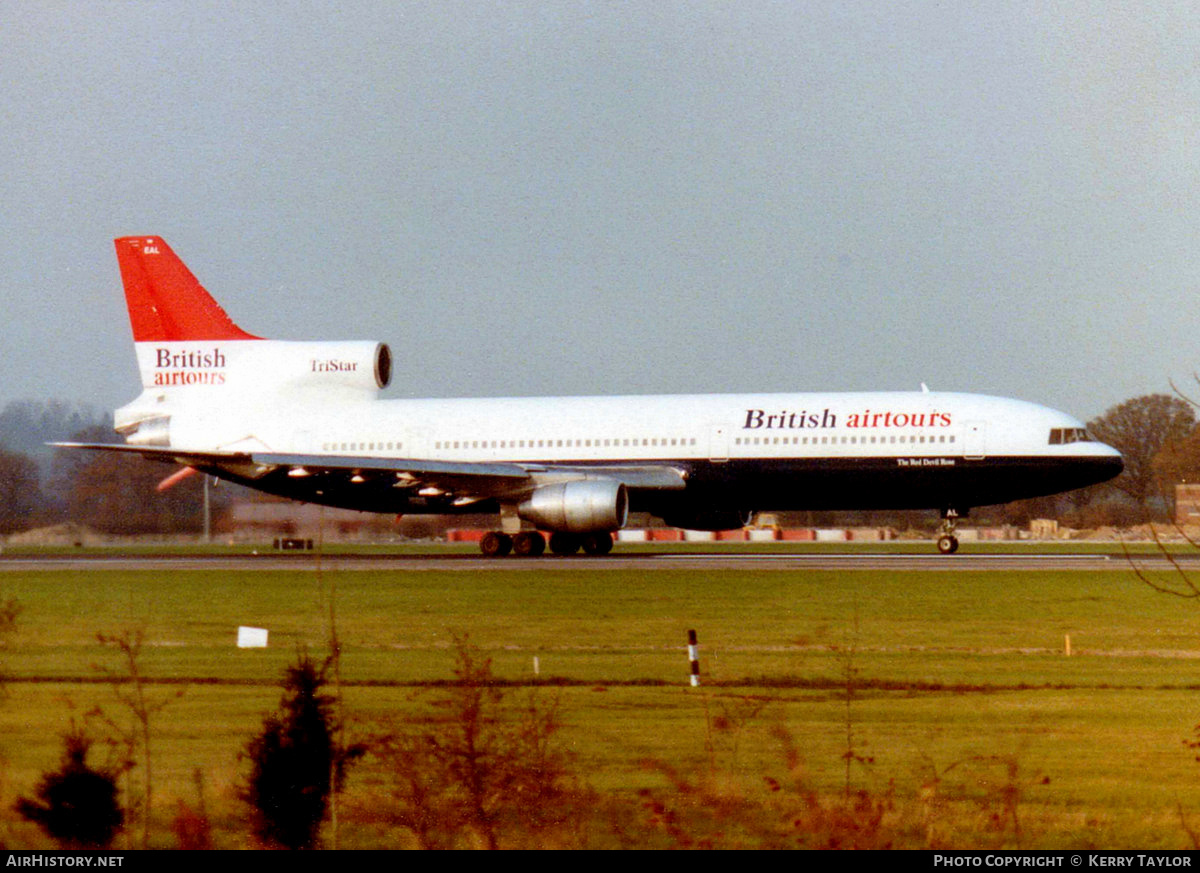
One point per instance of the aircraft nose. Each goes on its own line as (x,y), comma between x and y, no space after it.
(1107,463)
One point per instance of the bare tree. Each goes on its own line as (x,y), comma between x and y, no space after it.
(1138,429)
(118,494)
(481,769)
(1178,461)
(130,688)
(20,492)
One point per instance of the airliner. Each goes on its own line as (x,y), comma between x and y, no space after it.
(304,420)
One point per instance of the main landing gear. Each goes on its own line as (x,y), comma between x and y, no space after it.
(596,543)
(530,543)
(947,542)
(527,544)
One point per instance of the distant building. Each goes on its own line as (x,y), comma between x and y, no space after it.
(265,517)
(1187,505)
(262,519)
(1043,528)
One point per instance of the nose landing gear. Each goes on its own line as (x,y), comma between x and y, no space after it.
(947,542)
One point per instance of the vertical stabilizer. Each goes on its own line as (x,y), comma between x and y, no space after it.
(205,381)
(166,302)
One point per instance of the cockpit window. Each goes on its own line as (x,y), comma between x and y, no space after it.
(1060,436)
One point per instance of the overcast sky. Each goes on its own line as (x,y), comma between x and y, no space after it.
(618,197)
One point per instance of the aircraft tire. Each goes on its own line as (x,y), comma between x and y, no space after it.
(947,545)
(495,544)
(597,544)
(529,544)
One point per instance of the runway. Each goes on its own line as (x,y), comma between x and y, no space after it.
(645,561)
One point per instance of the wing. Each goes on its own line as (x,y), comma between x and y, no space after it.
(462,483)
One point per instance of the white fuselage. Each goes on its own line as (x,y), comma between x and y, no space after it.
(638,428)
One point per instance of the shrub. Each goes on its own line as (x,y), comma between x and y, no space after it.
(76,805)
(296,762)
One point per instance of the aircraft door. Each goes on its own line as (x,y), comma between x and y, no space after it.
(303,442)
(416,443)
(975,440)
(718,443)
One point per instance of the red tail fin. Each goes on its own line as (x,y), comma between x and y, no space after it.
(165,301)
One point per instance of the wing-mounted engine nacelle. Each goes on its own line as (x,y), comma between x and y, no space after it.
(709,519)
(578,506)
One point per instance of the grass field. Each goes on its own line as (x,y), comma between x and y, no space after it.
(963,721)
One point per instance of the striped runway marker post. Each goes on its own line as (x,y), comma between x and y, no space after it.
(694,657)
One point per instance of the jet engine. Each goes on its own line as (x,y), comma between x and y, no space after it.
(362,365)
(578,506)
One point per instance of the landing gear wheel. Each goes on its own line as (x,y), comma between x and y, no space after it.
(495,544)
(597,543)
(529,544)
(947,544)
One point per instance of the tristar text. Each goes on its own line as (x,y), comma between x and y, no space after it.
(334,366)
